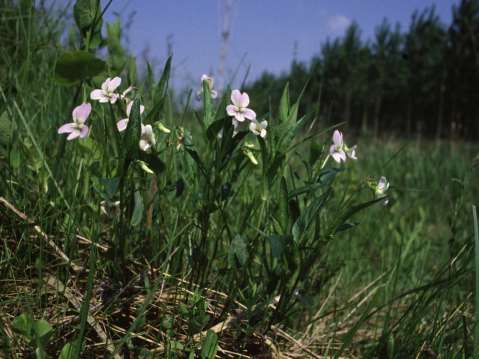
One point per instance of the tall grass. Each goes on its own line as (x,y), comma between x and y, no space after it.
(219,244)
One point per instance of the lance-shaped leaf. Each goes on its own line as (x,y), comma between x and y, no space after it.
(133,131)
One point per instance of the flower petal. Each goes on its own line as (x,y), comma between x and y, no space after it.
(249,114)
(244,101)
(84,132)
(113,98)
(236,98)
(97,95)
(332,149)
(121,125)
(76,133)
(352,153)
(105,84)
(81,112)
(263,133)
(336,157)
(337,138)
(67,128)
(239,116)
(128,108)
(231,110)
(253,127)
(144,145)
(114,83)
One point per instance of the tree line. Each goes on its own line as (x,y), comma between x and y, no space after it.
(421,81)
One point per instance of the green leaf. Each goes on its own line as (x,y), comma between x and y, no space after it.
(309,215)
(117,58)
(239,249)
(23,324)
(86,13)
(209,346)
(354,209)
(133,130)
(162,86)
(284,219)
(161,92)
(196,157)
(138,210)
(207,104)
(40,353)
(284,105)
(214,129)
(274,166)
(42,328)
(67,351)
(278,245)
(109,187)
(7,128)
(75,66)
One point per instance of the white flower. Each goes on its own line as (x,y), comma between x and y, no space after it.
(107,92)
(339,150)
(147,139)
(258,128)
(210,81)
(381,188)
(351,152)
(239,109)
(122,124)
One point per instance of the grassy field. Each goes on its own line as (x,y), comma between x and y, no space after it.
(211,245)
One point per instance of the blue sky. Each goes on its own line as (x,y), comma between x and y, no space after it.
(263,32)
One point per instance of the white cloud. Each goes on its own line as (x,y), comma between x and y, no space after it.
(337,24)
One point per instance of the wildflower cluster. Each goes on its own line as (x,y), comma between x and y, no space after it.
(107,94)
(238,109)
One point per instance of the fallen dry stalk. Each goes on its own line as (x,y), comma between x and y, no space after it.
(40,232)
(76,299)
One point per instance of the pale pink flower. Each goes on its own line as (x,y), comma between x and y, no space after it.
(239,109)
(107,92)
(258,128)
(121,125)
(339,150)
(147,139)
(77,128)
